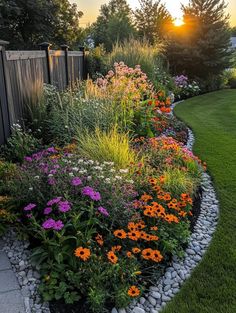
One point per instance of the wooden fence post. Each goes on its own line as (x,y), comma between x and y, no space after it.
(65,48)
(5,122)
(84,74)
(46,46)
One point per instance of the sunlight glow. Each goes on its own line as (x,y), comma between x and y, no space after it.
(178,22)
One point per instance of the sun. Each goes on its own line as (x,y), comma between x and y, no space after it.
(178,21)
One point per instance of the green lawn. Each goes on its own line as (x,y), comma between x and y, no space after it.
(212,286)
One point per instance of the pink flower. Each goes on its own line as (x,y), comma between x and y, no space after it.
(58,225)
(29,207)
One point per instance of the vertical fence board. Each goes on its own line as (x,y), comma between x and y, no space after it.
(29,69)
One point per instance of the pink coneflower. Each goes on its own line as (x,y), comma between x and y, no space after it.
(76,181)
(103,211)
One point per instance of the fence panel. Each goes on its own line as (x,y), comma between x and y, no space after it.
(26,71)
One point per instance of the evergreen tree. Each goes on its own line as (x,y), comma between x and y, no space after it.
(201,47)
(113,24)
(152,20)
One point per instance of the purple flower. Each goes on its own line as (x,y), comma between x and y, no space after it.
(29,207)
(54,201)
(87,191)
(29,215)
(103,211)
(95,196)
(28,159)
(47,211)
(53,172)
(48,224)
(51,181)
(58,225)
(64,206)
(76,181)
(52,150)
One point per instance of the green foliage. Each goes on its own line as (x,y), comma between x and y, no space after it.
(152,20)
(112,146)
(133,52)
(95,62)
(19,145)
(113,24)
(27,23)
(201,47)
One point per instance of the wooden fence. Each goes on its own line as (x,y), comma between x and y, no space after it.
(20,71)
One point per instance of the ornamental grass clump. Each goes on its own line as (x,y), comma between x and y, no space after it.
(108,146)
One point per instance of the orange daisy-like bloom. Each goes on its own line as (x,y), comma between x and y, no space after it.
(132,226)
(129,254)
(145,197)
(147,254)
(154,238)
(182,213)
(133,292)
(116,248)
(134,235)
(82,253)
(140,225)
(156,256)
(112,257)
(149,212)
(120,233)
(153,181)
(154,228)
(136,250)
(167,197)
(99,240)
(171,218)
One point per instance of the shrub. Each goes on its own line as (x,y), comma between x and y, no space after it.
(184,88)
(96,62)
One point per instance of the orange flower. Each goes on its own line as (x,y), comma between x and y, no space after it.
(120,233)
(140,225)
(136,250)
(145,197)
(154,228)
(112,257)
(147,254)
(129,254)
(156,256)
(99,240)
(153,181)
(133,291)
(171,218)
(116,248)
(182,213)
(167,197)
(82,253)
(134,235)
(132,226)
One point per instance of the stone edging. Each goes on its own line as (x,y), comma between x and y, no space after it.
(180,269)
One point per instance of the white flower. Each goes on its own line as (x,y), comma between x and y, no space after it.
(107,180)
(80,161)
(50,175)
(108,163)
(130,181)
(124,170)
(71,174)
(112,170)
(30,188)
(99,168)
(101,176)
(118,177)
(75,169)
(66,126)
(36,177)
(89,177)
(90,161)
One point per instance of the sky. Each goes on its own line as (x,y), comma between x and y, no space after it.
(90,8)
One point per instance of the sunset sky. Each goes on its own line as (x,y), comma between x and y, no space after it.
(90,8)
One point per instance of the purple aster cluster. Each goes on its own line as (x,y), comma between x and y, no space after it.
(76,181)
(64,206)
(29,207)
(47,211)
(90,192)
(52,224)
(54,201)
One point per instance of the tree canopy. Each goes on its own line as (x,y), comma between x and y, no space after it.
(201,47)
(26,23)
(152,20)
(113,24)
